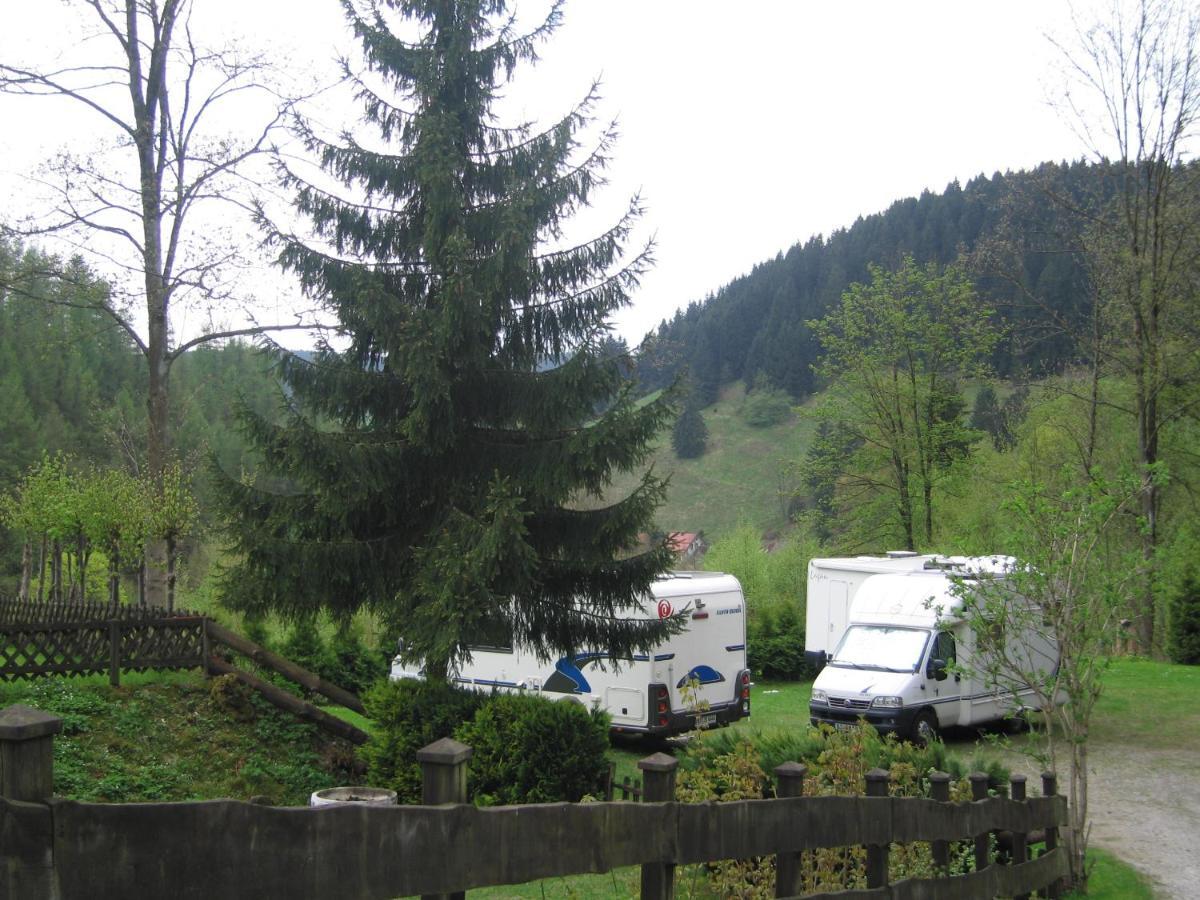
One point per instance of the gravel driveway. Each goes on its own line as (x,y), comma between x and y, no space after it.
(1145,807)
(1145,810)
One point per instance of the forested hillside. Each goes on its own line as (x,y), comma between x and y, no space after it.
(1016,232)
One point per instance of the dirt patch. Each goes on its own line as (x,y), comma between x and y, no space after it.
(1145,810)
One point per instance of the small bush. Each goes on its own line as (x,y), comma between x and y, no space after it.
(410,715)
(532,750)
(352,664)
(304,647)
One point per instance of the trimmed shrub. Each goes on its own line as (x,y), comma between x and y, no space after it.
(409,715)
(532,750)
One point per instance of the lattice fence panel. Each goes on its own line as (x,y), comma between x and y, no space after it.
(163,644)
(68,649)
(74,639)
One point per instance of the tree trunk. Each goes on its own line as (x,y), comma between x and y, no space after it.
(56,571)
(42,572)
(26,571)
(171,573)
(114,574)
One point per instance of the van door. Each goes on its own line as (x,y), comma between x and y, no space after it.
(981,698)
(945,695)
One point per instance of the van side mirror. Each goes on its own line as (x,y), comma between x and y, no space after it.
(816,659)
(936,669)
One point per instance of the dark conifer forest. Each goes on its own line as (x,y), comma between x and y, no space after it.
(1013,230)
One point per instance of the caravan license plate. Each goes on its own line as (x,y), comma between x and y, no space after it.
(706,721)
(844,726)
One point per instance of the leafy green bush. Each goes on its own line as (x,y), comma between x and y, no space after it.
(727,765)
(532,750)
(410,715)
(764,408)
(775,642)
(774,584)
(1185,622)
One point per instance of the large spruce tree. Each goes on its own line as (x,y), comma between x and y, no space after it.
(446,469)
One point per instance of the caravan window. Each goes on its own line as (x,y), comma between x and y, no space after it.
(493,635)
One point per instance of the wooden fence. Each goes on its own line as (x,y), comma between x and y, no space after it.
(40,639)
(54,849)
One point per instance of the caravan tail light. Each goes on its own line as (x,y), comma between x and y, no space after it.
(745,680)
(662,702)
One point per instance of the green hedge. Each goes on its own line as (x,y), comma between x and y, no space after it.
(531,750)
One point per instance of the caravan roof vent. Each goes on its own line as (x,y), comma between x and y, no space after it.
(901,554)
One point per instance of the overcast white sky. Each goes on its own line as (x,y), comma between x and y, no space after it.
(747,126)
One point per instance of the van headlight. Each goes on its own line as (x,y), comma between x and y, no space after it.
(888,702)
(819,696)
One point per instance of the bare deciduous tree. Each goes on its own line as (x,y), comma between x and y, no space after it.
(135,204)
(1134,95)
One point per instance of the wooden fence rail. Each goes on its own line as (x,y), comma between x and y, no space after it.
(57,848)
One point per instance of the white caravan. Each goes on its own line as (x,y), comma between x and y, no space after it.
(697,678)
(903,632)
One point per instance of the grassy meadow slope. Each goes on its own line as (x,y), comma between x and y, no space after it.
(739,477)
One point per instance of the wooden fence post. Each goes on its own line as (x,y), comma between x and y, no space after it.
(27,753)
(979,791)
(114,652)
(789,867)
(939,789)
(205,647)
(27,774)
(444,780)
(1020,842)
(1050,789)
(877,854)
(658,786)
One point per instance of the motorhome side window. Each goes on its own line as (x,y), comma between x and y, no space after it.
(492,634)
(943,647)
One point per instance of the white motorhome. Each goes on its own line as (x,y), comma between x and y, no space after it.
(906,661)
(697,678)
(832,584)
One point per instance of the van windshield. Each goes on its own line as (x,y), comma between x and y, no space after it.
(880,647)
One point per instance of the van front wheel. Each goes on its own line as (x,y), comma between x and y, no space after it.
(925,727)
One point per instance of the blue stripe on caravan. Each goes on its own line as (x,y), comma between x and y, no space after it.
(641,659)
(488,683)
(733,647)
(664,656)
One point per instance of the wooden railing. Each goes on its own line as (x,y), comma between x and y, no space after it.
(175,851)
(41,639)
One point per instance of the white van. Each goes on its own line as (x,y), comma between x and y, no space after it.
(698,678)
(894,665)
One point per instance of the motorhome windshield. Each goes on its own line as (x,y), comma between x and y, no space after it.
(880,647)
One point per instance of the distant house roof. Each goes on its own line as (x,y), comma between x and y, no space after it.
(681,541)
